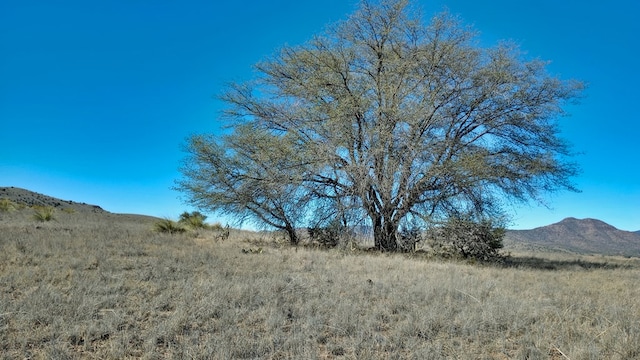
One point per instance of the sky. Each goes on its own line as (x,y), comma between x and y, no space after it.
(98,97)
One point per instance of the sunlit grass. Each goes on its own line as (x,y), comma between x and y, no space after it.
(103,287)
(7,205)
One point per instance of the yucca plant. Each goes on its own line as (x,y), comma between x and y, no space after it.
(43,213)
(7,205)
(168,226)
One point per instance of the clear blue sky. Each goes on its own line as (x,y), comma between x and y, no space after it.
(96,97)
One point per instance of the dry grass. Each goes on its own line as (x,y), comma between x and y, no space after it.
(89,286)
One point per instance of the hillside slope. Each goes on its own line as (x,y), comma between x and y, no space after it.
(30,198)
(67,211)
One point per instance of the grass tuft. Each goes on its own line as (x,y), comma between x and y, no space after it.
(44,213)
(7,205)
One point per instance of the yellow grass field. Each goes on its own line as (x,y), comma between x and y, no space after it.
(104,286)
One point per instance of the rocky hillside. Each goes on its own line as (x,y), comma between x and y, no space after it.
(30,198)
(584,236)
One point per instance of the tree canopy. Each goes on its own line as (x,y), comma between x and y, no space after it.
(384,119)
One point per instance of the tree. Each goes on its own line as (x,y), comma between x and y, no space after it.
(389,117)
(246,175)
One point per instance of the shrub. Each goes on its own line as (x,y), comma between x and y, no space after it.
(193,220)
(329,235)
(222,232)
(217,227)
(43,213)
(169,226)
(408,237)
(464,237)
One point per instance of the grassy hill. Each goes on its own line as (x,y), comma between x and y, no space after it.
(100,285)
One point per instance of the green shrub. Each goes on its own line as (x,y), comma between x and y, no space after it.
(168,226)
(193,220)
(43,213)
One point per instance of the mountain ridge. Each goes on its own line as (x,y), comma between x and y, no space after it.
(584,236)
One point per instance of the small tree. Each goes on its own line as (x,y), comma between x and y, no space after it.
(194,220)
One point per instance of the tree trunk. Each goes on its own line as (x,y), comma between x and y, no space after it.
(293,236)
(385,234)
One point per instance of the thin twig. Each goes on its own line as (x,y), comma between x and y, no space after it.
(469,295)
(336,328)
(561,353)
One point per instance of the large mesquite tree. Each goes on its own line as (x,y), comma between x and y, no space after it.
(388,116)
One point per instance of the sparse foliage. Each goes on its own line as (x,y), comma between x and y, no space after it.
(250,181)
(388,117)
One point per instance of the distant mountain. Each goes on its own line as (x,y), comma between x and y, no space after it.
(584,236)
(30,198)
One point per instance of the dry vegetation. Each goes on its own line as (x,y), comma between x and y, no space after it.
(109,287)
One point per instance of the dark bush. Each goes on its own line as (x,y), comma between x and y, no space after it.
(328,235)
(467,238)
(408,237)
